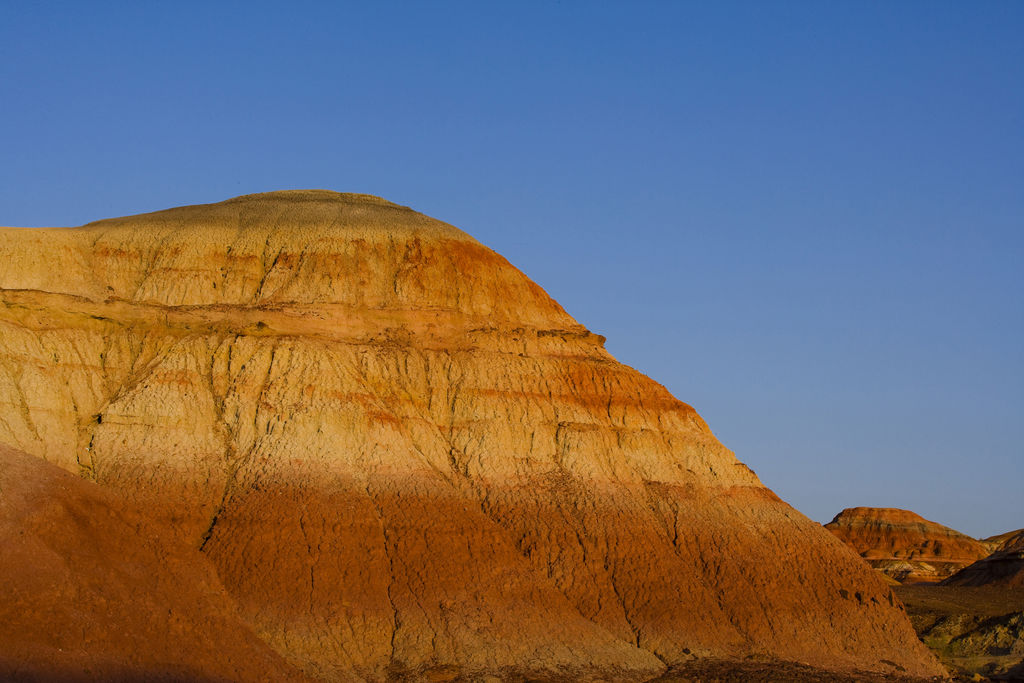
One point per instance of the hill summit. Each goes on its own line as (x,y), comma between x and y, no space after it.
(403,458)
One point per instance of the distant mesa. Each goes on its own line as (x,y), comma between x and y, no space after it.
(904,546)
(403,460)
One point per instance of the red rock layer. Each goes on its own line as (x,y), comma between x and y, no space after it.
(904,545)
(93,591)
(404,458)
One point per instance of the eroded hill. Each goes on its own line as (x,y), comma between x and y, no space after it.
(905,546)
(1004,568)
(404,458)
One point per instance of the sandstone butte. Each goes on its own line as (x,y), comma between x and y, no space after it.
(904,545)
(403,458)
(94,590)
(1003,568)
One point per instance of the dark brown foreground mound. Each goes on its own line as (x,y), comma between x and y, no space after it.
(93,591)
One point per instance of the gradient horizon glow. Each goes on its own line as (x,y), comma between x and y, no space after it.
(804,219)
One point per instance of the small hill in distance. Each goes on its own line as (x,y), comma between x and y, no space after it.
(904,546)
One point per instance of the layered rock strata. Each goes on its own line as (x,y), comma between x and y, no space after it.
(904,545)
(1004,568)
(404,458)
(1010,539)
(94,591)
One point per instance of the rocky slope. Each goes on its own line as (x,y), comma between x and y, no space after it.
(93,591)
(992,646)
(1003,568)
(1004,541)
(404,458)
(904,545)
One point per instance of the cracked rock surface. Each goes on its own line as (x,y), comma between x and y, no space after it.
(404,459)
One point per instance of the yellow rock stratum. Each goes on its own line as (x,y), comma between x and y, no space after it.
(405,459)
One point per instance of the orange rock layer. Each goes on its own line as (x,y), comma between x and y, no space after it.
(904,545)
(404,458)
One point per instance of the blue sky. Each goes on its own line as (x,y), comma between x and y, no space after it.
(804,219)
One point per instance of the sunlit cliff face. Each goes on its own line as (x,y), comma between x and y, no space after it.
(399,453)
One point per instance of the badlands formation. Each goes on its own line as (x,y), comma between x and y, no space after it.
(1010,539)
(402,458)
(1003,568)
(904,545)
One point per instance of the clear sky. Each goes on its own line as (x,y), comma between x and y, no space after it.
(806,219)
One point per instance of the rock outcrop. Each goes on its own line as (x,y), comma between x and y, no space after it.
(1003,568)
(404,458)
(904,545)
(94,591)
(989,646)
